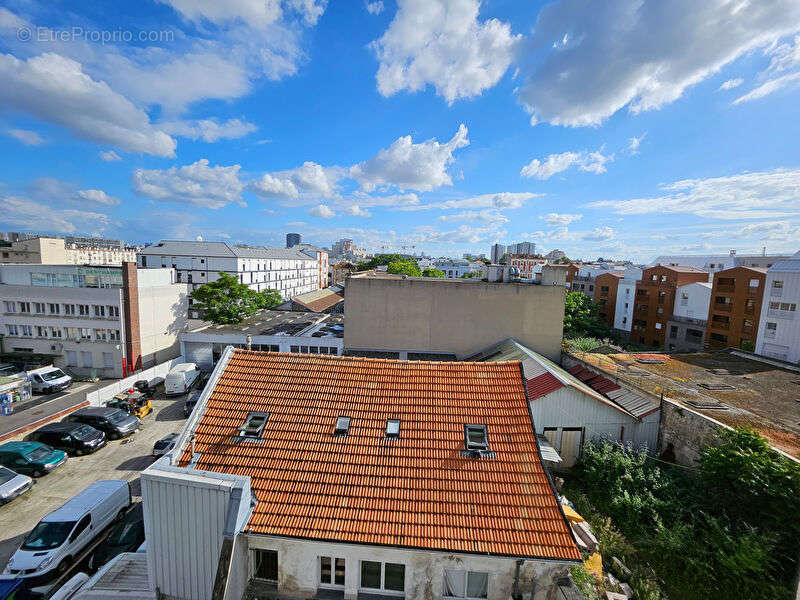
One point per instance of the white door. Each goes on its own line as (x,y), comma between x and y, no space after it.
(570,446)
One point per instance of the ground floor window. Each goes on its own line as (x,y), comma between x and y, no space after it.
(265,565)
(388,577)
(331,570)
(72,358)
(466,584)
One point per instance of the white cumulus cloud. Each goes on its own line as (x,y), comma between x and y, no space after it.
(27,137)
(98,196)
(322,211)
(443,43)
(375,8)
(355,210)
(731,83)
(593,162)
(209,130)
(556,219)
(197,184)
(406,165)
(585,65)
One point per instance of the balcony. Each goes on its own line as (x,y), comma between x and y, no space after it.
(726,289)
(721,307)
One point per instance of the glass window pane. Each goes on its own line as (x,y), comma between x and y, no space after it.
(324,569)
(339,573)
(454,583)
(477,585)
(395,577)
(370,574)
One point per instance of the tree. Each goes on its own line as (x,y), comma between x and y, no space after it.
(404,267)
(503,259)
(564,260)
(228,301)
(433,272)
(581,317)
(379,260)
(471,275)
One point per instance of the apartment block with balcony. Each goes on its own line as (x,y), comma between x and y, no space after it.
(779,325)
(605,294)
(92,321)
(655,300)
(686,328)
(735,308)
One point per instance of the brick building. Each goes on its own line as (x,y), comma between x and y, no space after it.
(735,307)
(605,294)
(655,301)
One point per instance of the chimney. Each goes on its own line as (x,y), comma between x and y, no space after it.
(763,251)
(249,341)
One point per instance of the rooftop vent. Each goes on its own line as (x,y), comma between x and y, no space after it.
(716,386)
(342,426)
(253,425)
(393,428)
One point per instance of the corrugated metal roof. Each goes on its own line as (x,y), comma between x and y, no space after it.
(791,265)
(636,404)
(541,385)
(417,491)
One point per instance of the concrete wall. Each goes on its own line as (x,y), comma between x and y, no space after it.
(692,300)
(679,338)
(454,316)
(685,432)
(100,396)
(298,569)
(163,314)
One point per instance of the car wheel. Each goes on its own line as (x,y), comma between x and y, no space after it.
(78,452)
(37,473)
(63,566)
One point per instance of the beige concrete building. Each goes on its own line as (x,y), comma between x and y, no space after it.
(412,317)
(39,251)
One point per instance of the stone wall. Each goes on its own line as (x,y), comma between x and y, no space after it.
(684,433)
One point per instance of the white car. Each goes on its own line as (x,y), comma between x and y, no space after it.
(181,379)
(60,536)
(47,380)
(12,484)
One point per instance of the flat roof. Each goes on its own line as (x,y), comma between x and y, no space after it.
(420,490)
(733,389)
(319,300)
(279,322)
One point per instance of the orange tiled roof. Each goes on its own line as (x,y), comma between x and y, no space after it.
(416,491)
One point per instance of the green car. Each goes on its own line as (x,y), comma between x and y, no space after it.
(31,458)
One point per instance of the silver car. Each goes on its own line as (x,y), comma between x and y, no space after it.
(12,484)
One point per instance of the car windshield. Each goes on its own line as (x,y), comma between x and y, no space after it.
(54,374)
(48,535)
(40,453)
(84,432)
(116,416)
(6,475)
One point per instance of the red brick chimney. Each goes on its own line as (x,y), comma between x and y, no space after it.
(130,306)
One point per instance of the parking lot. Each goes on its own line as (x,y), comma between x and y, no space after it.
(120,459)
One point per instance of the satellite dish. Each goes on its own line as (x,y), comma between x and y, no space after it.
(199,238)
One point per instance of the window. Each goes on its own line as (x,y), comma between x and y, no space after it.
(253,425)
(86,359)
(85,334)
(342,426)
(754,283)
(41,331)
(69,309)
(265,565)
(83,310)
(777,285)
(393,428)
(658,325)
(38,308)
(108,360)
(465,584)
(673,331)
(71,333)
(476,437)
(55,309)
(99,311)
(113,311)
(56,332)
(331,571)
(80,527)
(12,330)
(389,577)
(25,307)
(27,331)
(100,335)
(72,358)
(113,335)
(11,307)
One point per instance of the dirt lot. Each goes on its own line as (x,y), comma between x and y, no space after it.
(120,459)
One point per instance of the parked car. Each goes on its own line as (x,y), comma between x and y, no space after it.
(31,458)
(181,379)
(72,438)
(48,380)
(12,485)
(115,423)
(149,387)
(9,370)
(59,537)
(132,402)
(190,403)
(125,536)
(165,444)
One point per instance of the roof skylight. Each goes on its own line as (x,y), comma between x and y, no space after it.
(476,437)
(253,425)
(393,428)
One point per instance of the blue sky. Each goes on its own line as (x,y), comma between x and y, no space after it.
(621,128)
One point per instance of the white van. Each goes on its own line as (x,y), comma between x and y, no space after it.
(181,379)
(59,537)
(47,380)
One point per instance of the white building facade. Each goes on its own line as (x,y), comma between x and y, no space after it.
(779,325)
(623,313)
(289,271)
(85,318)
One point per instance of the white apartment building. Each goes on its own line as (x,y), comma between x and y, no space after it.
(498,250)
(686,328)
(779,325)
(93,321)
(321,256)
(718,262)
(287,270)
(623,312)
(527,266)
(99,256)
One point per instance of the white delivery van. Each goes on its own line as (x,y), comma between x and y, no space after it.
(47,380)
(59,537)
(181,379)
